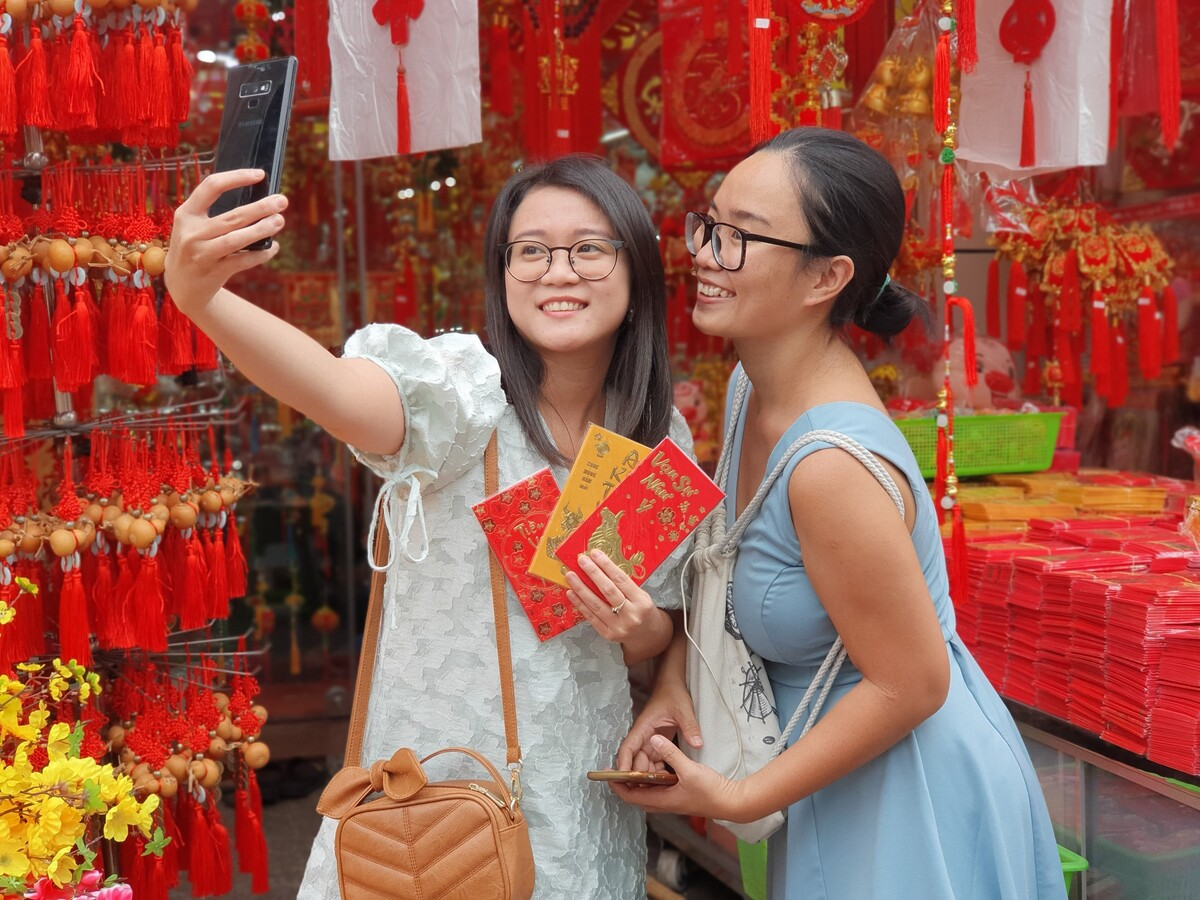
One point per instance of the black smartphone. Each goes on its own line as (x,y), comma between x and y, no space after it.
(254,125)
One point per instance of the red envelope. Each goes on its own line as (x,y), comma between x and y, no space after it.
(651,512)
(513,521)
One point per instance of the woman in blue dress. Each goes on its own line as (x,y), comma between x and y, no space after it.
(914,782)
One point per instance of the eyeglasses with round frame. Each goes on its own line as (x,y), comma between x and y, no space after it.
(724,238)
(592,259)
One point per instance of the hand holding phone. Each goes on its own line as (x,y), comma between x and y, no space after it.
(254,125)
(628,777)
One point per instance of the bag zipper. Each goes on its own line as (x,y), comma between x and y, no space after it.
(480,789)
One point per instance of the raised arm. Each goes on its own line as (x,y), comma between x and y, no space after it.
(353,399)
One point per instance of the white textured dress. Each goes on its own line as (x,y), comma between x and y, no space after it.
(436,682)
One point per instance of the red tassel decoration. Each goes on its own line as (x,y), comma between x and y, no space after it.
(1036,343)
(403,115)
(1116,43)
(14,412)
(1018,293)
(236,570)
(222,858)
(1071,297)
(81,79)
(206,351)
(34,84)
(1170,312)
(1149,335)
(970,363)
(1166,25)
(181,79)
(993,298)
(73,628)
(1120,368)
(941,83)
(141,341)
(500,57)
(102,595)
(217,594)
(1028,128)
(957,564)
(968,45)
(193,602)
(160,102)
(251,843)
(761,75)
(146,605)
(8,91)
(1101,357)
(122,614)
(1032,385)
(38,337)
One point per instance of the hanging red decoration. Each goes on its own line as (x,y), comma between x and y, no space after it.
(1024,32)
(395,15)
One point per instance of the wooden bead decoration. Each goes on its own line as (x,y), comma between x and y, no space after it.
(256,754)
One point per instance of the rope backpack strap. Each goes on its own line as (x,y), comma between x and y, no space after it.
(822,684)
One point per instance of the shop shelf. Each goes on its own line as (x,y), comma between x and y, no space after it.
(987,444)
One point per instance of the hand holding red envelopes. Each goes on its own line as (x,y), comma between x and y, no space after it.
(639,523)
(650,513)
(513,521)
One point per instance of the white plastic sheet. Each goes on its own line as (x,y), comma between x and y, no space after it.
(1070,94)
(441,62)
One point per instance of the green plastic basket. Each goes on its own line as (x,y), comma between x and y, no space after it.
(753,859)
(1071,864)
(987,444)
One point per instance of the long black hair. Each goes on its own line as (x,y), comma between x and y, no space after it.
(639,376)
(853,205)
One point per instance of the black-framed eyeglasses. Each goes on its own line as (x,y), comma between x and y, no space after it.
(592,258)
(728,242)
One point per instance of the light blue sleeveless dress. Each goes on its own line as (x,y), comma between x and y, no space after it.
(954,810)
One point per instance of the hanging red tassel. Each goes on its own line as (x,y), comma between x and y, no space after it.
(122,636)
(81,79)
(1170,312)
(957,564)
(206,352)
(1071,296)
(181,79)
(146,605)
(1036,343)
(1032,385)
(102,594)
(218,576)
(968,44)
(761,75)
(14,412)
(1166,25)
(1101,356)
(38,338)
(500,59)
(141,341)
(74,632)
(1149,335)
(1018,293)
(193,602)
(236,570)
(1028,126)
(992,306)
(160,103)
(970,364)
(947,207)
(941,83)
(251,843)
(1116,43)
(1120,367)
(403,115)
(34,84)
(8,91)
(223,859)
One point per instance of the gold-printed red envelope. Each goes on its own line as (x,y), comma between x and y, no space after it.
(649,514)
(513,521)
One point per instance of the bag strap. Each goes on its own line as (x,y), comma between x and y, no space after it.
(818,690)
(366,663)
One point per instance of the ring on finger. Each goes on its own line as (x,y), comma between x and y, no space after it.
(616,609)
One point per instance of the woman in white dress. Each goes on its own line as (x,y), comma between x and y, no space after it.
(576,322)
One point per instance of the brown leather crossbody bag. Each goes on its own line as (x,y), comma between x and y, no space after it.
(422,839)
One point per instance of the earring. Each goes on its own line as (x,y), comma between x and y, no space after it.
(629,315)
